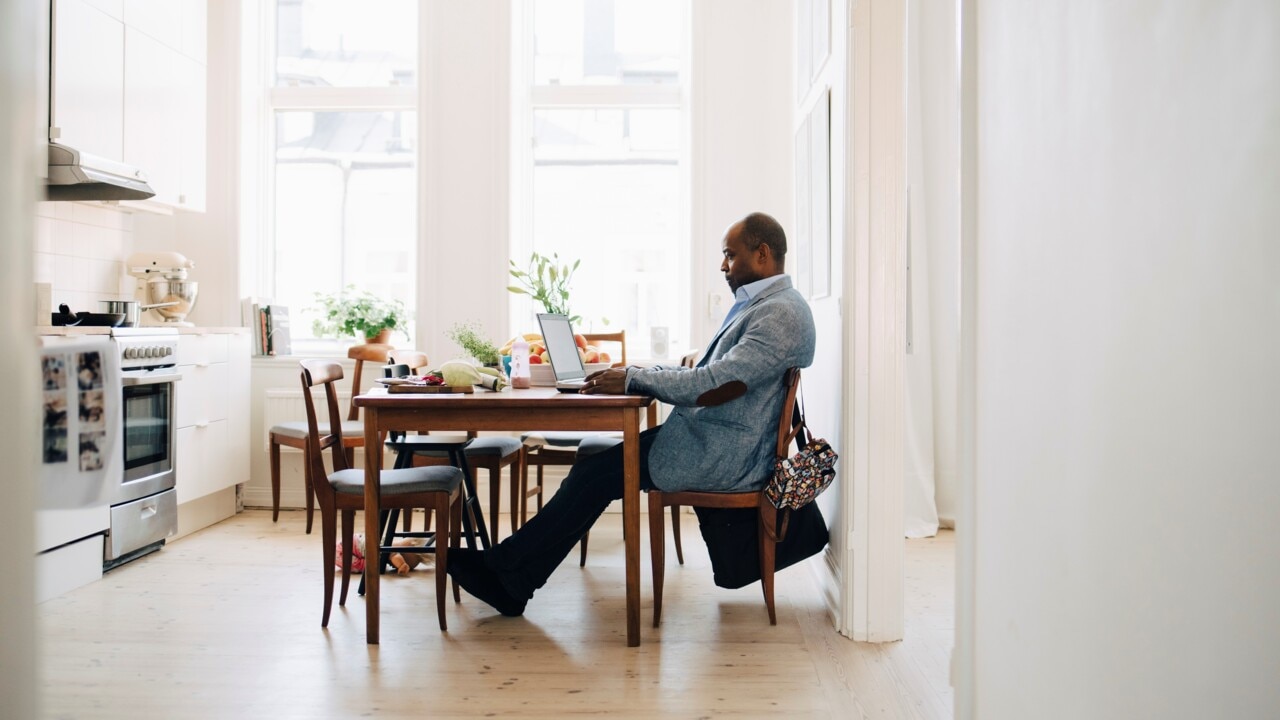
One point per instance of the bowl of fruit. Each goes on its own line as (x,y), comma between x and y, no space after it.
(540,372)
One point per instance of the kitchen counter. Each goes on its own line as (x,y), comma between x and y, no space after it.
(77,330)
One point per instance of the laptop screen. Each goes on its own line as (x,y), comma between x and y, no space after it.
(557,333)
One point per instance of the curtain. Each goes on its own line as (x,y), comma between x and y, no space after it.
(933,232)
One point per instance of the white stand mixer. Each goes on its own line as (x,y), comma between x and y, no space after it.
(162,278)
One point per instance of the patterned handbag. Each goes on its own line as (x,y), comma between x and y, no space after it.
(798,479)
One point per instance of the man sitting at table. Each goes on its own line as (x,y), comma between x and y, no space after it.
(721,435)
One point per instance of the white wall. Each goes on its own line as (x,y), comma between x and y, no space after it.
(741,104)
(463,189)
(19,438)
(1127,352)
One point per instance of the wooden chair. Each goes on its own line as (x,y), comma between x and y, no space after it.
(437,487)
(542,449)
(294,434)
(600,443)
(767,513)
(483,453)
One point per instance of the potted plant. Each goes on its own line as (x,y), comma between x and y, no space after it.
(467,336)
(547,282)
(359,313)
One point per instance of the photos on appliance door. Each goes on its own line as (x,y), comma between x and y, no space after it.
(54,370)
(89,370)
(92,411)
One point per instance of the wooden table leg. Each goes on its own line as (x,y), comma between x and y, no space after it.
(631,519)
(372,501)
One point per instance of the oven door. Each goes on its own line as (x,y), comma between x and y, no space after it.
(148,433)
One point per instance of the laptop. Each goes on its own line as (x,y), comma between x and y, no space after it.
(566,364)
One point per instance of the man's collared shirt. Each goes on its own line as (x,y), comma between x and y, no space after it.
(744,295)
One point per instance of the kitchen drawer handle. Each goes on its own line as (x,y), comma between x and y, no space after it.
(202,364)
(204,424)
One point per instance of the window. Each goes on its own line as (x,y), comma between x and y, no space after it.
(344,181)
(602,177)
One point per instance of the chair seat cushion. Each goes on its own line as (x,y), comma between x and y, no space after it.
(436,478)
(561,439)
(499,446)
(351,430)
(596,444)
(479,447)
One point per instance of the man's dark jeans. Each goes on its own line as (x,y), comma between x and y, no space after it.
(525,560)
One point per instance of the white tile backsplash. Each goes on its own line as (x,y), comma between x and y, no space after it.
(44,234)
(80,250)
(44,267)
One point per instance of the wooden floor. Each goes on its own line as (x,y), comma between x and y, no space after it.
(225,624)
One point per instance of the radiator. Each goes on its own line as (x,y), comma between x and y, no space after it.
(281,406)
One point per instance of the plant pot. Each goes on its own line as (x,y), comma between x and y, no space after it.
(382,338)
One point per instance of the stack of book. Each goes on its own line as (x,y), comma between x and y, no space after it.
(270,323)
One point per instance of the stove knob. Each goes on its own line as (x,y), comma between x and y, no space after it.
(148,352)
(167,352)
(130,353)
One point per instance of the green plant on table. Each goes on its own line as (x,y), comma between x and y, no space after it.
(546,281)
(358,313)
(468,337)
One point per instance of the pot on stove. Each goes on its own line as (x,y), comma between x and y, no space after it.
(64,316)
(131,309)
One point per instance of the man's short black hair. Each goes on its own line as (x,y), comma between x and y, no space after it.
(759,228)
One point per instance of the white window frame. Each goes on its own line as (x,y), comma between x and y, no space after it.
(262,99)
(528,98)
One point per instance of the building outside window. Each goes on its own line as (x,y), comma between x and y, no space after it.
(343,177)
(601,161)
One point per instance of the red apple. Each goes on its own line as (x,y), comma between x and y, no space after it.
(591,356)
(604,357)
(581,341)
(535,359)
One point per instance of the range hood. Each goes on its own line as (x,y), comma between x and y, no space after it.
(74,175)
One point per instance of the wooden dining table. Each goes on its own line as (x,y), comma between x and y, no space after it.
(509,410)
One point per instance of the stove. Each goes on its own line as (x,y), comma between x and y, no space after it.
(144,506)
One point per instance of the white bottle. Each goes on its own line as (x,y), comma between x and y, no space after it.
(520,364)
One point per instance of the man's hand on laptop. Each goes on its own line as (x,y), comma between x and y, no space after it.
(612,381)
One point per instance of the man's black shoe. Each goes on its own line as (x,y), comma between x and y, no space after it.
(468,569)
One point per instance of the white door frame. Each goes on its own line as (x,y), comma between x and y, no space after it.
(962,657)
(874,321)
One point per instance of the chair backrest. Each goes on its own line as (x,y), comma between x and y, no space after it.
(412,358)
(365,352)
(328,374)
(689,359)
(619,337)
(788,428)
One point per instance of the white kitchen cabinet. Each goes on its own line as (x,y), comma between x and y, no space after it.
(152,112)
(239,352)
(212,442)
(134,90)
(192,162)
(195,35)
(165,89)
(114,8)
(159,19)
(87,102)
